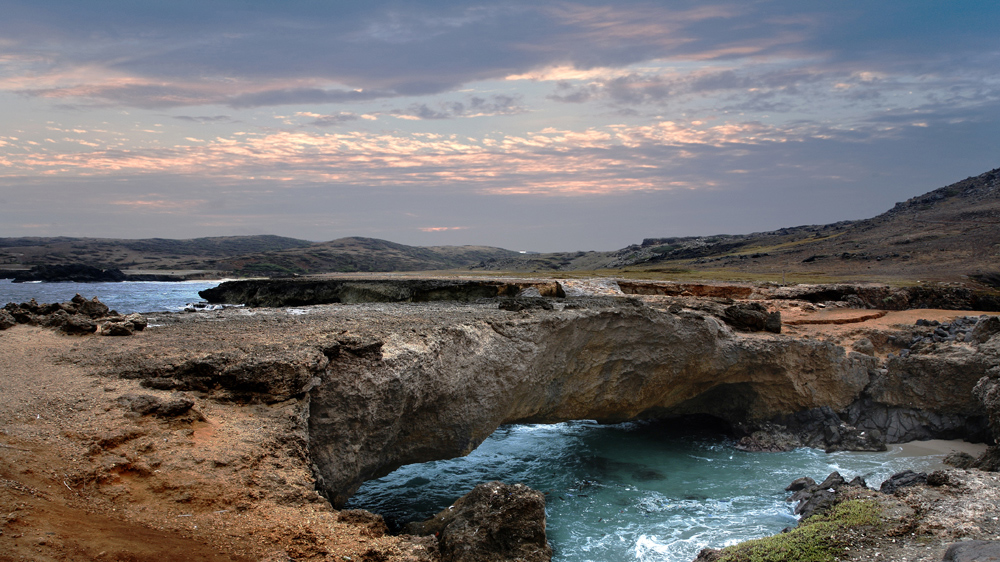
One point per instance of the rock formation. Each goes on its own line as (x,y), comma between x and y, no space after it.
(77,317)
(299,292)
(494,522)
(388,386)
(440,394)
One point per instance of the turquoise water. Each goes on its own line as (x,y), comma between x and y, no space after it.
(630,492)
(127,297)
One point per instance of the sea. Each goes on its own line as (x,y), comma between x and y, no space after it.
(126,297)
(632,492)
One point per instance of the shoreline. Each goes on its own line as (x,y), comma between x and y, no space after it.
(240,462)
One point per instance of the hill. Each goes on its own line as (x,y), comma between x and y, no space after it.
(240,255)
(949,234)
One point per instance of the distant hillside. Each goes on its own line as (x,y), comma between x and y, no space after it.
(242,255)
(948,234)
(364,255)
(945,235)
(150,253)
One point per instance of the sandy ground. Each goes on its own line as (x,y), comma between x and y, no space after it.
(81,478)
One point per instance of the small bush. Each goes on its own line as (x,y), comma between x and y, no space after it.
(817,539)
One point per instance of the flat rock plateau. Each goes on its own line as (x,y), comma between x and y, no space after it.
(236,434)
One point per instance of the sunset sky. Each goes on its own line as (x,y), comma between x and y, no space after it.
(542,125)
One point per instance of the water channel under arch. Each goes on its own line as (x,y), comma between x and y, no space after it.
(630,492)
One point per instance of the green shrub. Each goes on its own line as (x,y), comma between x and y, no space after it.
(817,539)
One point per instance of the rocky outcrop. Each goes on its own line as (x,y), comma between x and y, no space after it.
(440,394)
(885,297)
(76,273)
(494,522)
(77,317)
(388,386)
(301,292)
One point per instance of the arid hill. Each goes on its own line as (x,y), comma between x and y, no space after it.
(951,234)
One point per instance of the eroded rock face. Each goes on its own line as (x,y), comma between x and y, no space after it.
(441,394)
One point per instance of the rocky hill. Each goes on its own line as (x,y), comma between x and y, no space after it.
(951,234)
(238,255)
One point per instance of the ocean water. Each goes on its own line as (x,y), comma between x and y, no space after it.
(127,297)
(632,492)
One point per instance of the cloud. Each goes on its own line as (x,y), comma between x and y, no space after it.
(441,228)
(204,118)
(244,56)
(473,106)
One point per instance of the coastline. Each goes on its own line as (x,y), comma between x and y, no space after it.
(232,470)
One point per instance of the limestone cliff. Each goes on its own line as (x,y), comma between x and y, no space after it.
(439,394)
(380,386)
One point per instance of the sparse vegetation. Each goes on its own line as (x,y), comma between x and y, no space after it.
(818,539)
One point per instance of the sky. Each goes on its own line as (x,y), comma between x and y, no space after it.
(541,125)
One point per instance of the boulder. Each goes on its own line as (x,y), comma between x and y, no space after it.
(973,551)
(138,321)
(79,324)
(902,480)
(92,308)
(816,498)
(494,522)
(145,405)
(864,345)
(752,317)
(986,328)
(959,459)
(6,320)
(117,329)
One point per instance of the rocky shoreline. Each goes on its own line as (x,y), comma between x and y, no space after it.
(352,391)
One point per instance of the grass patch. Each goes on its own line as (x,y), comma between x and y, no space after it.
(821,538)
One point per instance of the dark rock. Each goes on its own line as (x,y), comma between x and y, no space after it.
(902,480)
(174,407)
(986,328)
(76,273)
(769,438)
(800,484)
(7,320)
(79,324)
(492,523)
(773,322)
(959,459)
(361,346)
(989,460)
(709,555)
(161,383)
(864,345)
(525,303)
(816,498)
(92,308)
(145,405)
(747,316)
(142,404)
(116,329)
(973,551)
(301,292)
(938,478)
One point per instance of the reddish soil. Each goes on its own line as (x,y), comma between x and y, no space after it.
(83,479)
